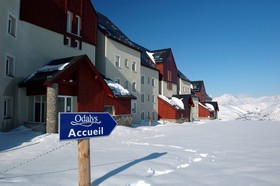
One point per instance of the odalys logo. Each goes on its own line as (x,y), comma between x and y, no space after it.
(85,120)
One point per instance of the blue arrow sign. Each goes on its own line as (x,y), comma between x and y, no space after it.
(81,125)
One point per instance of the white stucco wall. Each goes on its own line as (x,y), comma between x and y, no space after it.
(194,110)
(184,87)
(149,106)
(8,46)
(168,92)
(105,63)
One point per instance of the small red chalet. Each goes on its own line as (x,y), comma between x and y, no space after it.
(73,84)
(171,112)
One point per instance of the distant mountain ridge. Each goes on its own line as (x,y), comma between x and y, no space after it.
(248,108)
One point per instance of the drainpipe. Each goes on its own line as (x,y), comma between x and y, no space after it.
(52,116)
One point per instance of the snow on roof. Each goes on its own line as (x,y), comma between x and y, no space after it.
(176,102)
(117,88)
(151,56)
(210,107)
(207,106)
(48,68)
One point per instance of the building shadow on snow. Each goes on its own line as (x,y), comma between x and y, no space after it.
(14,139)
(126,166)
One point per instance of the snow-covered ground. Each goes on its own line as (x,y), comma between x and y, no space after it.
(200,153)
(248,108)
(241,148)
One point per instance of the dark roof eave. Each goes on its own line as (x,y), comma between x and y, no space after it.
(125,97)
(119,41)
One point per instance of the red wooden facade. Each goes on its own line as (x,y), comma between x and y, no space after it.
(200,91)
(167,111)
(204,112)
(52,15)
(166,65)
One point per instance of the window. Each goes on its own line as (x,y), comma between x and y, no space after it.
(142,115)
(110,109)
(153,82)
(148,80)
(169,75)
(169,80)
(73,23)
(126,63)
(154,99)
(65,104)
(117,61)
(68,41)
(10,66)
(133,107)
(7,108)
(39,112)
(126,84)
(69,21)
(154,115)
(143,98)
(148,97)
(12,25)
(117,80)
(133,66)
(169,85)
(78,25)
(142,80)
(77,44)
(134,86)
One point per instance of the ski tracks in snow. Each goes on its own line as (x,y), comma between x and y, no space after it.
(36,141)
(188,157)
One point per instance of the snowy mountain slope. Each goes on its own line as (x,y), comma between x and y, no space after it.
(248,108)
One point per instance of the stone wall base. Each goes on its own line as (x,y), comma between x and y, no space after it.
(123,120)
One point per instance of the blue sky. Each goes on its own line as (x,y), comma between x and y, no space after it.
(232,45)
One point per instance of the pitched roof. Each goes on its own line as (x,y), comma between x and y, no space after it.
(182,76)
(51,73)
(186,97)
(48,72)
(145,58)
(106,26)
(208,97)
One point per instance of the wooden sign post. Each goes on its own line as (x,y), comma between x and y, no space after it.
(82,126)
(84,162)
